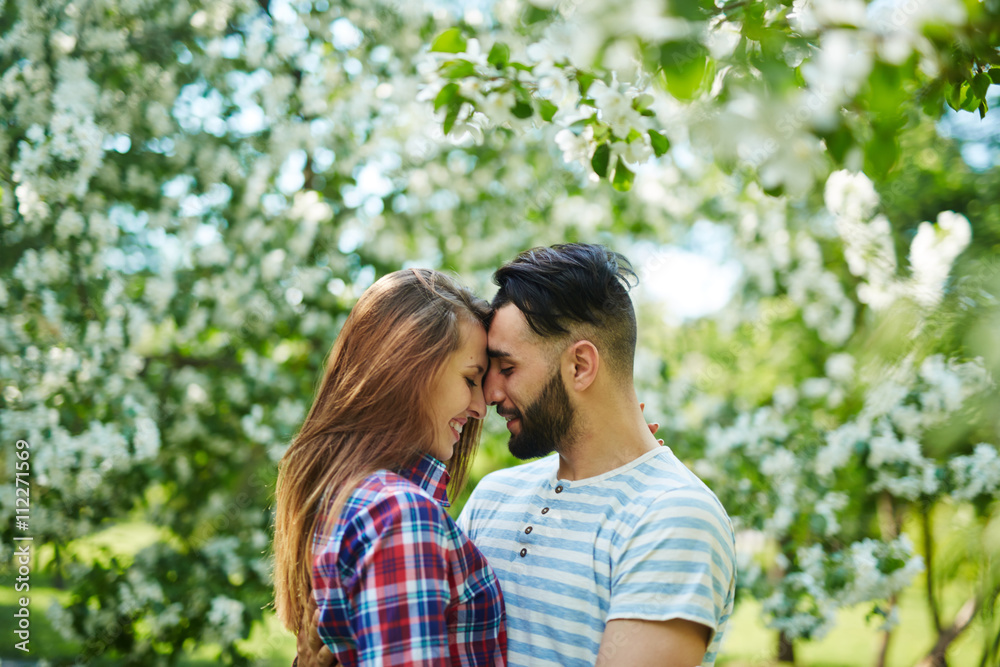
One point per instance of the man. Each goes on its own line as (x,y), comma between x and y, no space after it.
(609,551)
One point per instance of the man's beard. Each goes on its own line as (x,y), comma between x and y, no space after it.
(546,424)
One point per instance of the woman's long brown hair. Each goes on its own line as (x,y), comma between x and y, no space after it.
(370,412)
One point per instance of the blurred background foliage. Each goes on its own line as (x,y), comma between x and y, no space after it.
(193,194)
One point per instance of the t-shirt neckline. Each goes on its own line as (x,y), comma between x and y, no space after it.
(567,483)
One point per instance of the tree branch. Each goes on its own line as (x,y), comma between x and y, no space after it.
(925,520)
(963,619)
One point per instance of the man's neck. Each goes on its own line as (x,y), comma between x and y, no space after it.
(608,438)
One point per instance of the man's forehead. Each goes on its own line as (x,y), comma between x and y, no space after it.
(508,332)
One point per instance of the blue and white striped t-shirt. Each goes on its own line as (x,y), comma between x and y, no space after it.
(645,541)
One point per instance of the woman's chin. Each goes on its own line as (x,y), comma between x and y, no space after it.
(443,453)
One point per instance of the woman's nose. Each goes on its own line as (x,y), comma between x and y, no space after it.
(477,407)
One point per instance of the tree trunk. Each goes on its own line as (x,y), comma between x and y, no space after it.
(890,523)
(936,656)
(57,569)
(786,650)
(883,651)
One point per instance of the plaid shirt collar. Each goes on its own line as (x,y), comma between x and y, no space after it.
(430,475)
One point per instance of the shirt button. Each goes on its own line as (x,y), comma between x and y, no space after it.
(545,510)
(524,552)
(559,489)
(527,531)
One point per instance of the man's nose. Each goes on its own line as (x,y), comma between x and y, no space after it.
(492,390)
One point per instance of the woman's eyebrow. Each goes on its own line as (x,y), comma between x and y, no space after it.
(477,367)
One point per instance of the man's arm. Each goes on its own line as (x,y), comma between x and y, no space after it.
(635,643)
(672,583)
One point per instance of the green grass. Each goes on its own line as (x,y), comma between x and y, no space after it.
(268,641)
(854,642)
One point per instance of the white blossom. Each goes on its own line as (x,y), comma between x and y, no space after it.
(839,447)
(780,463)
(977,474)
(850,195)
(576,148)
(226,618)
(932,253)
(827,507)
(614,107)
(840,367)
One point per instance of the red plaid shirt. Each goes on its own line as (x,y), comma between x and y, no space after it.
(398,583)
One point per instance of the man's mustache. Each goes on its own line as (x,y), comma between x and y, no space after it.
(509,412)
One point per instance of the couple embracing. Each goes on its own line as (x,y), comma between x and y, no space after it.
(606,550)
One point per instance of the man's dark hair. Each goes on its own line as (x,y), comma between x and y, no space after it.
(575,288)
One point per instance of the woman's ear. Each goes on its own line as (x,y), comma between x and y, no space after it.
(582,361)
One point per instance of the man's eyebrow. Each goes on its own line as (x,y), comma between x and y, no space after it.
(494,353)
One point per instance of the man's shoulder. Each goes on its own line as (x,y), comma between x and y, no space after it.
(663,482)
(664,472)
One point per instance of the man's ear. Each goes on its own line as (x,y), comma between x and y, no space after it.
(582,361)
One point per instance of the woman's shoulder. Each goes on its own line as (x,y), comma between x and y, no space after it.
(387,495)
(384,511)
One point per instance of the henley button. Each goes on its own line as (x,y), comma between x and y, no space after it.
(545,510)
(524,552)
(559,489)
(527,531)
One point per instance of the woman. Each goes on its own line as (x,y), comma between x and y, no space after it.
(361,491)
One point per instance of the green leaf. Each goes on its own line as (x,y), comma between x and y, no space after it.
(685,67)
(602,132)
(522,109)
(453,108)
(535,14)
(953,96)
(971,100)
(521,66)
(547,110)
(983,108)
(444,95)
(881,152)
(449,41)
(642,102)
(692,11)
(457,69)
(753,21)
(623,177)
(633,134)
(659,142)
(584,79)
(499,55)
(887,90)
(930,101)
(994,74)
(980,84)
(838,143)
(775,190)
(600,160)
